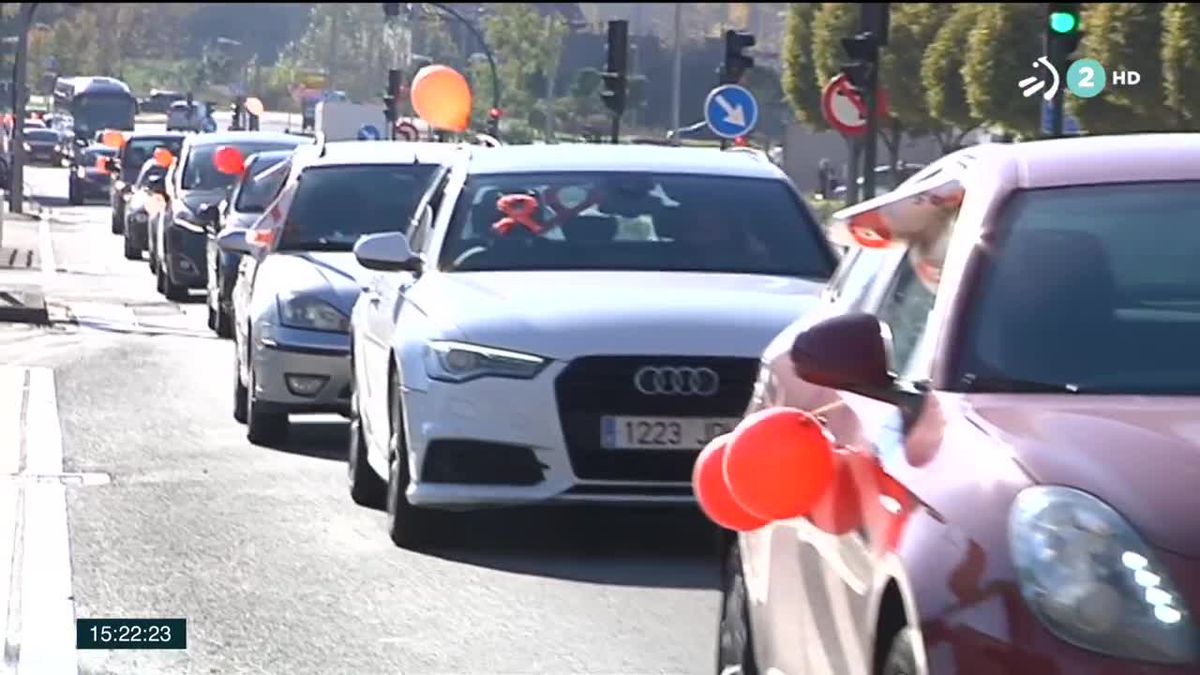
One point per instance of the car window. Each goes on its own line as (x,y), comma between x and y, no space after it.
(199,173)
(150,169)
(905,311)
(92,154)
(138,150)
(259,187)
(335,205)
(634,221)
(1096,287)
(855,277)
(418,236)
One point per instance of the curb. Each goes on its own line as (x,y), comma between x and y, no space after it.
(24,305)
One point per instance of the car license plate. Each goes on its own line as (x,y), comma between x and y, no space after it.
(662,433)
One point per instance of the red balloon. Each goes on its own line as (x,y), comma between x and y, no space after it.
(708,481)
(228,160)
(839,510)
(779,463)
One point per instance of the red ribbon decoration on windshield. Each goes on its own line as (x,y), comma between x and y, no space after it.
(564,213)
(517,210)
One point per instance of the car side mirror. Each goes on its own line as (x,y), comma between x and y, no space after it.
(234,240)
(387,252)
(847,352)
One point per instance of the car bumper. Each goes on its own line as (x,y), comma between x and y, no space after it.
(185,255)
(499,441)
(287,353)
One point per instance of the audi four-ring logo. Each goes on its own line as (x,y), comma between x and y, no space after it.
(676,381)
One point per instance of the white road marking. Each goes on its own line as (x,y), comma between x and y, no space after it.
(104,315)
(38,609)
(46,251)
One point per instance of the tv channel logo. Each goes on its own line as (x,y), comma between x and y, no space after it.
(1086,78)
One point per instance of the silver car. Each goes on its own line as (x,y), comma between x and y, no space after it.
(298,279)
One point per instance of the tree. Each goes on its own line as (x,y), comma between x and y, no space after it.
(913,27)
(942,78)
(524,44)
(1119,36)
(1181,60)
(1005,40)
(800,85)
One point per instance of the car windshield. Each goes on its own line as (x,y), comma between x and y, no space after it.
(336,205)
(92,154)
(634,221)
(1093,289)
(41,135)
(138,150)
(103,112)
(199,173)
(257,190)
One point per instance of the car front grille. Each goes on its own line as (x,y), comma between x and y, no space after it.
(594,386)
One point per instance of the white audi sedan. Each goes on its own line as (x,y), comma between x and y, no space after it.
(570,323)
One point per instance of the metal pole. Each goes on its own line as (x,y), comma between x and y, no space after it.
(487,51)
(1056,114)
(16,193)
(616,129)
(677,73)
(872,135)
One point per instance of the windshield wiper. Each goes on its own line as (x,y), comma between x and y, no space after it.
(1007,385)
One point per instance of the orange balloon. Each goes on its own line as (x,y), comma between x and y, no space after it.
(442,97)
(228,160)
(779,463)
(708,482)
(113,139)
(163,157)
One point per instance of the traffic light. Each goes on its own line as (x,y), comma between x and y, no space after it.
(863,50)
(736,62)
(616,68)
(1062,31)
(391,111)
(493,123)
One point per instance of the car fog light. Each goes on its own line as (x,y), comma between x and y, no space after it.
(305,385)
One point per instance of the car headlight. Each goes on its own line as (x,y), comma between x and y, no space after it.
(458,362)
(1092,581)
(311,313)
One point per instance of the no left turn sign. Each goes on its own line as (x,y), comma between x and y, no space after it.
(844,108)
(406,131)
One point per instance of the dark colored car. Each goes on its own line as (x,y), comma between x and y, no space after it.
(179,235)
(87,179)
(256,188)
(146,197)
(139,147)
(1005,372)
(43,146)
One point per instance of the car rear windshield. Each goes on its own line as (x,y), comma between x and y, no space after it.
(42,135)
(1092,289)
(138,150)
(201,174)
(92,154)
(335,205)
(634,221)
(257,190)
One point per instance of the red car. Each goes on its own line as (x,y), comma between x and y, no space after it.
(1006,369)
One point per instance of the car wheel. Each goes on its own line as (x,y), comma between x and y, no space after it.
(735,648)
(160,279)
(172,290)
(262,428)
(240,393)
(408,526)
(224,323)
(212,319)
(131,252)
(366,487)
(901,659)
(74,196)
(117,226)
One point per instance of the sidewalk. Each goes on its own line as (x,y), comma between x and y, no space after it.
(21,296)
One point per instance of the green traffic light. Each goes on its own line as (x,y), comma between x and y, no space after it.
(1063,22)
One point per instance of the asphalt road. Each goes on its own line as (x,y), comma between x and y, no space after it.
(170,512)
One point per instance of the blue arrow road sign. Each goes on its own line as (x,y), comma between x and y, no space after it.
(1070,122)
(730,111)
(368,132)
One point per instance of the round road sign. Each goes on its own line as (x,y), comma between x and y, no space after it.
(844,108)
(406,131)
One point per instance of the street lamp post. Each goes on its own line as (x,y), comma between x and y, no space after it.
(487,51)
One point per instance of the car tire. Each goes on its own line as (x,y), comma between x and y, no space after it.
(160,279)
(735,645)
(366,486)
(212,319)
(131,252)
(262,428)
(74,196)
(117,225)
(224,324)
(240,392)
(901,658)
(172,290)
(408,526)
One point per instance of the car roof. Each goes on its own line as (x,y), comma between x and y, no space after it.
(1093,160)
(224,137)
(270,155)
(569,157)
(381,152)
(154,135)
